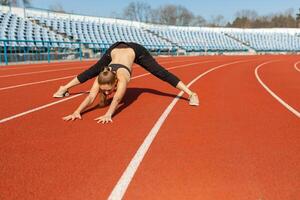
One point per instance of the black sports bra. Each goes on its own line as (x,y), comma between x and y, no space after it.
(115,67)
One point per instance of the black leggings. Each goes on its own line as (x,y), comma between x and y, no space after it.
(142,58)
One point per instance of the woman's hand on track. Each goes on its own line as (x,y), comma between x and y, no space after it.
(72,117)
(104,119)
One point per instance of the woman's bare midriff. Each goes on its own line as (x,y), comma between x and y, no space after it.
(124,56)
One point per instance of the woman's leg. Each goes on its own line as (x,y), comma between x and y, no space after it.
(92,72)
(193,97)
(63,90)
(150,64)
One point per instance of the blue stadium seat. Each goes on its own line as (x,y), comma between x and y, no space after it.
(102,33)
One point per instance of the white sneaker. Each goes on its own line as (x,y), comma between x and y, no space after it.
(194,100)
(61,93)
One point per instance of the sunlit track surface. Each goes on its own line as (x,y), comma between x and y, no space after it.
(296,66)
(272,93)
(53,103)
(240,143)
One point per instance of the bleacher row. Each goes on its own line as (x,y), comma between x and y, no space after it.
(267,40)
(40,32)
(101,34)
(197,40)
(23,33)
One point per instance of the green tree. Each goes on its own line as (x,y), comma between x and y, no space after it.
(15,2)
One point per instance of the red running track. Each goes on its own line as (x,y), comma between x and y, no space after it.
(240,143)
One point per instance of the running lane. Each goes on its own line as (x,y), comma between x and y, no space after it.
(282,78)
(22,68)
(21,99)
(239,144)
(25,68)
(43,157)
(69,69)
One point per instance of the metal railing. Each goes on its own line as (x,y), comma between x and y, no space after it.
(28,51)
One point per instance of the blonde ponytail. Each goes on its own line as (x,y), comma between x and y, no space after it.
(106,76)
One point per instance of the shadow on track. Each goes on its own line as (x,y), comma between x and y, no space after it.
(132,95)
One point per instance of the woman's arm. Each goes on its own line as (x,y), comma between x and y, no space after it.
(93,71)
(121,89)
(86,102)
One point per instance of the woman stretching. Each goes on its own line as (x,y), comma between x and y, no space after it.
(114,72)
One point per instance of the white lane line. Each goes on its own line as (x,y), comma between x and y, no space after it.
(35,83)
(68,68)
(40,72)
(296,66)
(41,65)
(53,103)
(55,79)
(38,108)
(123,183)
(286,105)
(35,65)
